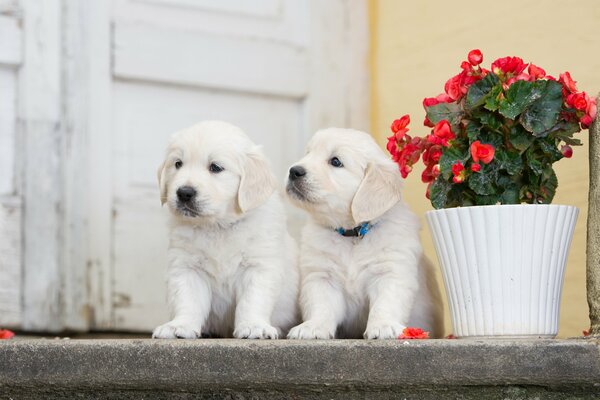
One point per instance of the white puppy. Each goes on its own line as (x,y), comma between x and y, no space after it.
(232,264)
(362,265)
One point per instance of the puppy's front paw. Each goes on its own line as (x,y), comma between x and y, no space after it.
(311,330)
(253,330)
(176,329)
(383,330)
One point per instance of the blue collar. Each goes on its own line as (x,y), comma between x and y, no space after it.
(357,231)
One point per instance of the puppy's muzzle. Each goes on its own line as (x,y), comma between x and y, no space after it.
(185,194)
(296,172)
(296,186)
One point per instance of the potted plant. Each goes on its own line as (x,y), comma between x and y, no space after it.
(488,168)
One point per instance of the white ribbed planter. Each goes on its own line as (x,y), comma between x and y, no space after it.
(503,266)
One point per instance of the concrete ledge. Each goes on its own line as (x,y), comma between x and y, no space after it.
(310,369)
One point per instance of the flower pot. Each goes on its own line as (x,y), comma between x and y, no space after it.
(503,267)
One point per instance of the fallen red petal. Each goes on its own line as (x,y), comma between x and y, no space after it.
(451,336)
(586,332)
(414,333)
(6,334)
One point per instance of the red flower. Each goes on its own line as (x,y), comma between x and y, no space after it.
(399,126)
(536,72)
(428,191)
(592,108)
(566,151)
(475,167)
(427,175)
(457,86)
(575,101)
(435,153)
(392,147)
(475,57)
(432,101)
(435,170)
(509,65)
(458,170)
(453,87)
(578,101)
(443,131)
(568,83)
(586,121)
(414,333)
(6,334)
(451,336)
(483,152)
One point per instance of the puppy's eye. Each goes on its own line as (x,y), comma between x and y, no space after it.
(215,168)
(336,162)
(178,164)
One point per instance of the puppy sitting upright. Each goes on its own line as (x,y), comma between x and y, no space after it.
(362,266)
(232,265)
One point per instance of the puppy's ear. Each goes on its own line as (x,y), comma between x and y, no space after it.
(257,182)
(162,183)
(379,190)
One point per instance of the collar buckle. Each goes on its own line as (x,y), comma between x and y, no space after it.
(357,231)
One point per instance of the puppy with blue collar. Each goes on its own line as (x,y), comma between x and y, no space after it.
(363,271)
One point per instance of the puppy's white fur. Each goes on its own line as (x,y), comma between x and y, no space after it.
(232,264)
(351,287)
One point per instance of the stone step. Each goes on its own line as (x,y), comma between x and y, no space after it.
(345,369)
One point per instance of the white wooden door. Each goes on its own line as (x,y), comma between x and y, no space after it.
(99,86)
(138,70)
(276,68)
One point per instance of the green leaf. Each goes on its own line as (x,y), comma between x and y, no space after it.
(492,120)
(487,200)
(510,195)
(565,131)
(520,138)
(519,96)
(549,185)
(480,91)
(449,157)
(451,112)
(510,161)
(543,114)
(536,166)
(509,188)
(550,150)
(569,140)
(472,130)
(492,101)
(491,137)
(438,193)
(482,183)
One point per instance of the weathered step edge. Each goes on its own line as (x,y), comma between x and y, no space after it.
(212,365)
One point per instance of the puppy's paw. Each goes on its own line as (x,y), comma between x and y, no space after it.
(311,330)
(176,330)
(255,330)
(383,330)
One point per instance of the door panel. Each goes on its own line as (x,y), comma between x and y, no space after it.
(209,60)
(145,116)
(279,69)
(170,72)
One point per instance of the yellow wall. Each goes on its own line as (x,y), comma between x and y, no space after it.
(417,45)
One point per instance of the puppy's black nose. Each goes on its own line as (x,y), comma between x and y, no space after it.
(297,172)
(186,193)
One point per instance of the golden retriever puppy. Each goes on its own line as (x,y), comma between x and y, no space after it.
(363,272)
(232,264)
